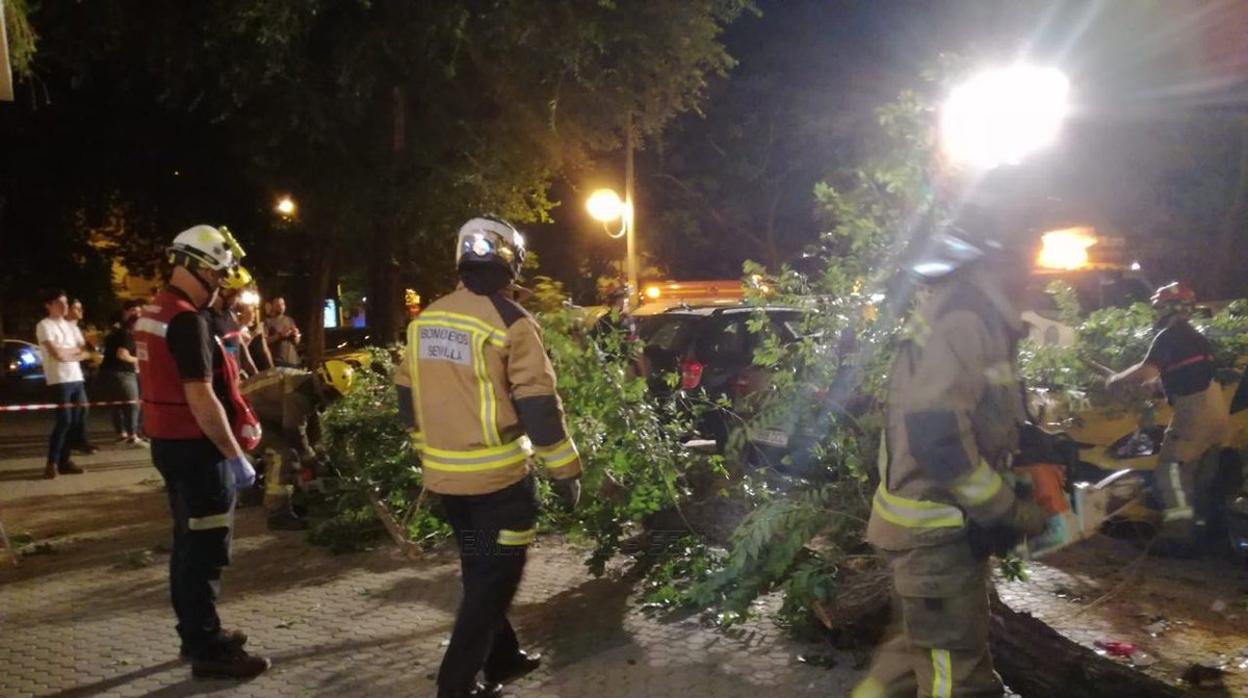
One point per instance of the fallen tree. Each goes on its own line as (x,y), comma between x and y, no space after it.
(1033,659)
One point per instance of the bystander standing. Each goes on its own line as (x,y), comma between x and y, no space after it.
(283,336)
(253,336)
(119,372)
(78,439)
(62,348)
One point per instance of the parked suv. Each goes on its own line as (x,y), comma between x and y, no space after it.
(711,348)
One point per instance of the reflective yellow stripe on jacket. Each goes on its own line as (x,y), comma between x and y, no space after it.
(915,513)
(910,513)
(476,460)
(558,455)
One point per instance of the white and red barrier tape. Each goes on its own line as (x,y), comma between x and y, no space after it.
(53,406)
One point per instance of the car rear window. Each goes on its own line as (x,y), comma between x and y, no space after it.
(668,333)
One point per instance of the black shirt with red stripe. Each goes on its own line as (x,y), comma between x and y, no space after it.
(1184,357)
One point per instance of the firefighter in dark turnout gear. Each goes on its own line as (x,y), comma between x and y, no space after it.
(953,411)
(480,392)
(200,426)
(1182,359)
(287,401)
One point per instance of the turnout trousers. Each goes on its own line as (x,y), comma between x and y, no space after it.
(201,499)
(1188,462)
(281,466)
(937,644)
(493,532)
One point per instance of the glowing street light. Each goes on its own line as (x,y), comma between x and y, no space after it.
(1000,116)
(286,207)
(606,206)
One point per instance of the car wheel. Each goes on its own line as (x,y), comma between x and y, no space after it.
(1226,488)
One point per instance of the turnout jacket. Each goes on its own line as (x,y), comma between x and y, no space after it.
(285,399)
(954,407)
(482,395)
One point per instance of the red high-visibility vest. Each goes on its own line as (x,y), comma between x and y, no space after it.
(166,414)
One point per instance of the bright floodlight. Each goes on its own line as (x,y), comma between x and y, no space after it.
(605,205)
(249,297)
(285,206)
(1000,116)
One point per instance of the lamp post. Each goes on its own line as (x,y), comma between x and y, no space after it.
(605,206)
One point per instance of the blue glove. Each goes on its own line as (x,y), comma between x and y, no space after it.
(244,474)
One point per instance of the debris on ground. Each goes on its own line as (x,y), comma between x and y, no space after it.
(136,559)
(1157,627)
(44,548)
(824,661)
(1116,649)
(1218,606)
(1201,676)
(1126,650)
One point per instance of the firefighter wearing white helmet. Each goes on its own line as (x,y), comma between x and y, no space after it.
(201,429)
(480,393)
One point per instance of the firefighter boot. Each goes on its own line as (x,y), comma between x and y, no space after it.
(277,495)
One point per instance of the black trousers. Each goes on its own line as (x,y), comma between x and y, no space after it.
(493,531)
(201,499)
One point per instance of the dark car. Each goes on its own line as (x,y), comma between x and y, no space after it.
(21,377)
(712,350)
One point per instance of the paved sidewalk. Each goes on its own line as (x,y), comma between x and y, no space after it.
(91,617)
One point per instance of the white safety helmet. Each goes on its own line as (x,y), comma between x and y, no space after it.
(490,240)
(207,247)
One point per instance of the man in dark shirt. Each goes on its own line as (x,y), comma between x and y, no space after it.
(189,405)
(1183,359)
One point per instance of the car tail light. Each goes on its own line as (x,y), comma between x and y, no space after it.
(741,386)
(690,374)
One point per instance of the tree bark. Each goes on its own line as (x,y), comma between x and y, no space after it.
(384,301)
(1034,659)
(316,292)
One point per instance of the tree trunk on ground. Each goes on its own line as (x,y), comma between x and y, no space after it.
(1034,659)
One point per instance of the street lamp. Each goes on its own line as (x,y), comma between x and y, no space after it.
(606,207)
(1000,116)
(286,207)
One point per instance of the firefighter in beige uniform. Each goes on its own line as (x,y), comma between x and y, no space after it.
(287,400)
(953,410)
(1182,359)
(483,403)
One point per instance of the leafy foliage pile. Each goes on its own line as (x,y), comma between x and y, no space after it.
(1115,338)
(632,446)
(370,450)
